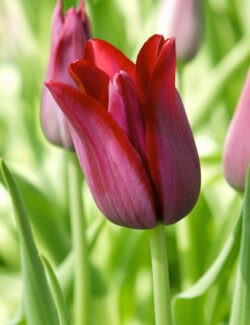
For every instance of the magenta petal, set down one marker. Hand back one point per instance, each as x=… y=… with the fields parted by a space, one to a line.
x=112 y=167
x=146 y=60
x=173 y=159
x=90 y=79
x=172 y=154
x=57 y=24
x=54 y=124
x=70 y=45
x=68 y=37
x=108 y=58
x=236 y=155
x=162 y=87
x=82 y=13
x=125 y=108
x=171 y=151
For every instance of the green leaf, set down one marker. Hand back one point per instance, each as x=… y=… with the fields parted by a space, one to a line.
x=44 y=213
x=38 y=304
x=218 y=79
x=51 y=236
x=57 y=294
x=240 y=313
x=183 y=301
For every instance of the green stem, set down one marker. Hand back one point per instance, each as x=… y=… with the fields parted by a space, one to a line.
x=79 y=241
x=160 y=276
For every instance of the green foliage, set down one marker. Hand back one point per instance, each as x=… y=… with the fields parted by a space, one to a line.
x=37 y=301
x=184 y=303
x=241 y=299
x=202 y=249
x=62 y=310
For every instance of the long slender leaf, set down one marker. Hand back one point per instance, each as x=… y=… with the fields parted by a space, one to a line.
x=240 y=313
x=57 y=294
x=38 y=304
x=223 y=262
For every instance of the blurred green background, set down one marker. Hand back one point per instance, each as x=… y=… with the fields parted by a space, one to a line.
x=210 y=86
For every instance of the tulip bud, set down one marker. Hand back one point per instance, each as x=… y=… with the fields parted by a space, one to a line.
x=182 y=20
x=131 y=133
x=237 y=145
x=69 y=34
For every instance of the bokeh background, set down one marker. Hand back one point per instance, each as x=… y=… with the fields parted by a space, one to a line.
x=210 y=85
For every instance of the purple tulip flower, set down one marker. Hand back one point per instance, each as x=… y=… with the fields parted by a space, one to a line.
x=69 y=34
x=131 y=133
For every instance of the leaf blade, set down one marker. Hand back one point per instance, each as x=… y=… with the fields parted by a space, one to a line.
x=57 y=294
x=223 y=262
x=240 y=312
x=38 y=304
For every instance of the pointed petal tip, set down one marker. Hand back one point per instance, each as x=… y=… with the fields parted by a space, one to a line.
x=81 y=6
x=170 y=43
x=155 y=36
x=58 y=12
x=54 y=86
x=50 y=84
x=171 y=40
x=59 y=5
x=47 y=84
x=81 y=9
x=92 y=41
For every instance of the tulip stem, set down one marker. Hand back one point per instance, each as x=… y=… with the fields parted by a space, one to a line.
x=79 y=242
x=160 y=276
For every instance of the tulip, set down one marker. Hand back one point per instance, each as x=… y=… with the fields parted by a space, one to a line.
x=183 y=20
x=131 y=133
x=237 y=145
x=69 y=34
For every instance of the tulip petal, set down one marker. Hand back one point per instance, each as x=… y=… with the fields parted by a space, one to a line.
x=125 y=108
x=84 y=17
x=112 y=167
x=54 y=124
x=236 y=154
x=162 y=87
x=172 y=154
x=72 y=33
x=57 y=25
x=146 y=60
x=93 y=80
x=68 y=37
x=108 y=58
x=173 y=160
